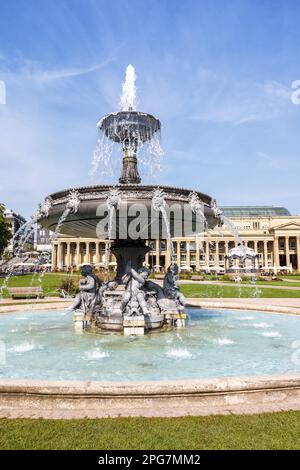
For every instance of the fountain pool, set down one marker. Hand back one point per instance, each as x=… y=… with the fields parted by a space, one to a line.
x=216 y=343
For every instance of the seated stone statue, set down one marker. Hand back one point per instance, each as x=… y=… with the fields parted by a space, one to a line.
x=133 y=300
x=171 y=288
x=88 y=288
x=110 y=285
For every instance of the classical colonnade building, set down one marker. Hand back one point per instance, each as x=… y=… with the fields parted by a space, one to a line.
x=272 y=232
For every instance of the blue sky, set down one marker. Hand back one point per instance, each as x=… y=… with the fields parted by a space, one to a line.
x=217 y=73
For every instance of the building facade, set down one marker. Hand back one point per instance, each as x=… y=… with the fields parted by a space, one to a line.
x=16 y=221
x=272 y=232
x=42 y=241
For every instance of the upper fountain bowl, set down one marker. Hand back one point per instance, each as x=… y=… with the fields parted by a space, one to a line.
x=133 y=126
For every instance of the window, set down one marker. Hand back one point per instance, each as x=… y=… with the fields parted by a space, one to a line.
x=256 y=225
x=163 y=245
x=152 y=244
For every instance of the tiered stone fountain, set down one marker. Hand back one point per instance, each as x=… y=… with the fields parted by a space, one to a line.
x=131 y=303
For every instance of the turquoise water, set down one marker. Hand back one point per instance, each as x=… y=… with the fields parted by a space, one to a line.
x=43 y=345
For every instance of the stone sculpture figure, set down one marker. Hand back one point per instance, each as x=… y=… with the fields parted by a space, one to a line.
x=133 y=300
x=88 y=287
x=171 y=288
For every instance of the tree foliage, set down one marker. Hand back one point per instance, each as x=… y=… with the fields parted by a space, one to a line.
x=5 y=230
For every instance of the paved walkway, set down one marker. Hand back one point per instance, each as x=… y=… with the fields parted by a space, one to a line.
x=242 y=284
x=49 y=303
x=291 y=306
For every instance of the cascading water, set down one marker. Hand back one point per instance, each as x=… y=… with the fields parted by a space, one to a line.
x=72 y=205
x=113 y=202
x=102 y=161
x=197 y=207
x=22 y=235
x=159 y=205
x=138 y=132
x=128 y=100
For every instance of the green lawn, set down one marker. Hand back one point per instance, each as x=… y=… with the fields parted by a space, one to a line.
x=206 y=290
x=50 y=282
x=276 y=283
x=264 y=431
x=290 y=276
x=265 y=283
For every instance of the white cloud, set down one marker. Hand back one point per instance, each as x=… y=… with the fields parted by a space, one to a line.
x=251 y=102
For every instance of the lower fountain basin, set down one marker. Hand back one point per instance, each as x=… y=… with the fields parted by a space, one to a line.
x=216 y=343
x=87 y=220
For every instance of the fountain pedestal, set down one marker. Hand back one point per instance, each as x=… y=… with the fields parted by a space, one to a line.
x=130 y=174
x=134 y=325
x=129 y=253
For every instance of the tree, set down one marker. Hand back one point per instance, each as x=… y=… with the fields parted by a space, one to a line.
x=5 y=230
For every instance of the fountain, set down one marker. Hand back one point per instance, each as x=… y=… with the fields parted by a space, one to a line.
x=224 y=363
x=129 y=214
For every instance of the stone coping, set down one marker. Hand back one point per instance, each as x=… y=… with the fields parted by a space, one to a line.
x=33 y=306
x=149 y=387
x=281 y=305
x=92 y=399
x=98 y=399
x=245 y=304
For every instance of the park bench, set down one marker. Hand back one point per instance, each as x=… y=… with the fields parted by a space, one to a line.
x=159 y=276
x=25 y=292
x=197 y=277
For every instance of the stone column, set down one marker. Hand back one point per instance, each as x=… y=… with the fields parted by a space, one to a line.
x=216 y=254
x=97 y=254
x=168 y=254
x=147 y=254
x=276 y=252
x=207 y=253
x=298 y=252
x=78 y=260
x=157 y=253
x=54 y=257
x=188 y=254
x=59 y=263
x=178 y=253
x=87 y=252
x=265 y=253
x=197 y=255
x=226 y=263
x=68 y=260
x=287 y=252
x=107 y=254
